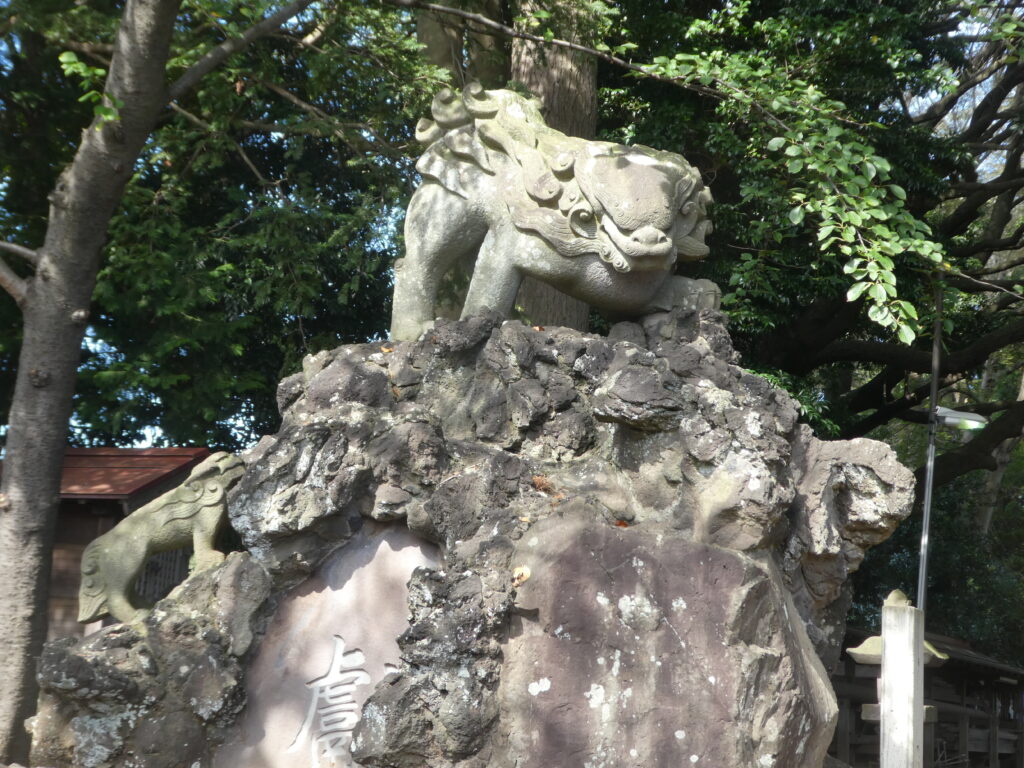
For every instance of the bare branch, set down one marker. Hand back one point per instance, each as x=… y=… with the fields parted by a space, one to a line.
x=346 y=132
x=968 y=284
x=996 y=185
x=20 y=250
x=989 y=106
x=14 y=285
x=961 y=218
x=942 y=107
x=1011 y=243
x=315 y=36
x=311 y=109
x=1001 y=244
x=218 y=55
x=900 y=408
x=308 y=129
x=100 y=49
x=98 y=52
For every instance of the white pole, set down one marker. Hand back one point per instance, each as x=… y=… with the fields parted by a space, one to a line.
x=902 y=684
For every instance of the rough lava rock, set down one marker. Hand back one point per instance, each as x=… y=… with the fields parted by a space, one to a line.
x=156 y=693
x=646 y=557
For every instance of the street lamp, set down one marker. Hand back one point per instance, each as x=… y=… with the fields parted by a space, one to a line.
x=901 y=695
x=947 y=417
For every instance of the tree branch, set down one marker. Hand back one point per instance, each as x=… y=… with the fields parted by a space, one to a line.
x=1002 y=244
x=16 y=286
x=199 y=122
x=98 y=52
x=969 y=284
x=719 y=93
x=901 y=408
x=989 y=105
x=352 y=140
x=381 y=144
x=218 y=55
x=20 y=250
x=942 y=107
x=919 y=360
x=996 y=185
x=506 y=31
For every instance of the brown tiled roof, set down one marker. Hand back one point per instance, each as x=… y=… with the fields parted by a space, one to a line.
x=121 y=473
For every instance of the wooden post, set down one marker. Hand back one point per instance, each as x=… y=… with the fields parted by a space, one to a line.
x=993 y=728
x=902 y=702
x=964 y=741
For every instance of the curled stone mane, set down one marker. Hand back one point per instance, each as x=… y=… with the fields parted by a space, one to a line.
x=552 y=181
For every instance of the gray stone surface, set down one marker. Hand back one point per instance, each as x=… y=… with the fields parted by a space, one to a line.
x=549 y=466
x=331 y=640
x=602 y=222
x=633 y=648
x=155 y=693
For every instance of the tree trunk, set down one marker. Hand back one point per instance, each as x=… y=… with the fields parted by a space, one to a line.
x=566 y=83
x=468 y=54
x=55 y=309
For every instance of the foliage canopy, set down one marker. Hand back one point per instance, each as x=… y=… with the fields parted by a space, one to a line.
x=261 y=220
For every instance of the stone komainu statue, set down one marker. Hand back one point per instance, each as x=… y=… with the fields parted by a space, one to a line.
x=602 y=222
x=190 y=514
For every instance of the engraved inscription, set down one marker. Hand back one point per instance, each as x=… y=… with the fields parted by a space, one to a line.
x=332 y=639
x=333 y=711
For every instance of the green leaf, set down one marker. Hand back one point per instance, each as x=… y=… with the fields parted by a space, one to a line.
x=907 y=309
x=898 y=191
x=906 y=334
x=775 y=144
x=856 y=290
x=796 y=215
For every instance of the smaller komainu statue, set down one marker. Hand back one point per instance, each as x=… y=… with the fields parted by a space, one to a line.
x=192 y=513
x=602 y=222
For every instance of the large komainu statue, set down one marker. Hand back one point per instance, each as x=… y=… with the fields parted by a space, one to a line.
x=602 y=222
x=190 y=514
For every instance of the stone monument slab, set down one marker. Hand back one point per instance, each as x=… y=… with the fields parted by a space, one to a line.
x=635 y=648
x=332 y=639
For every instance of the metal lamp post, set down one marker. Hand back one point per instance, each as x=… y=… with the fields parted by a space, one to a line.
x=946 y=417
x=901 y=694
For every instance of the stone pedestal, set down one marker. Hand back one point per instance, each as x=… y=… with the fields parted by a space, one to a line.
x=646 y=557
